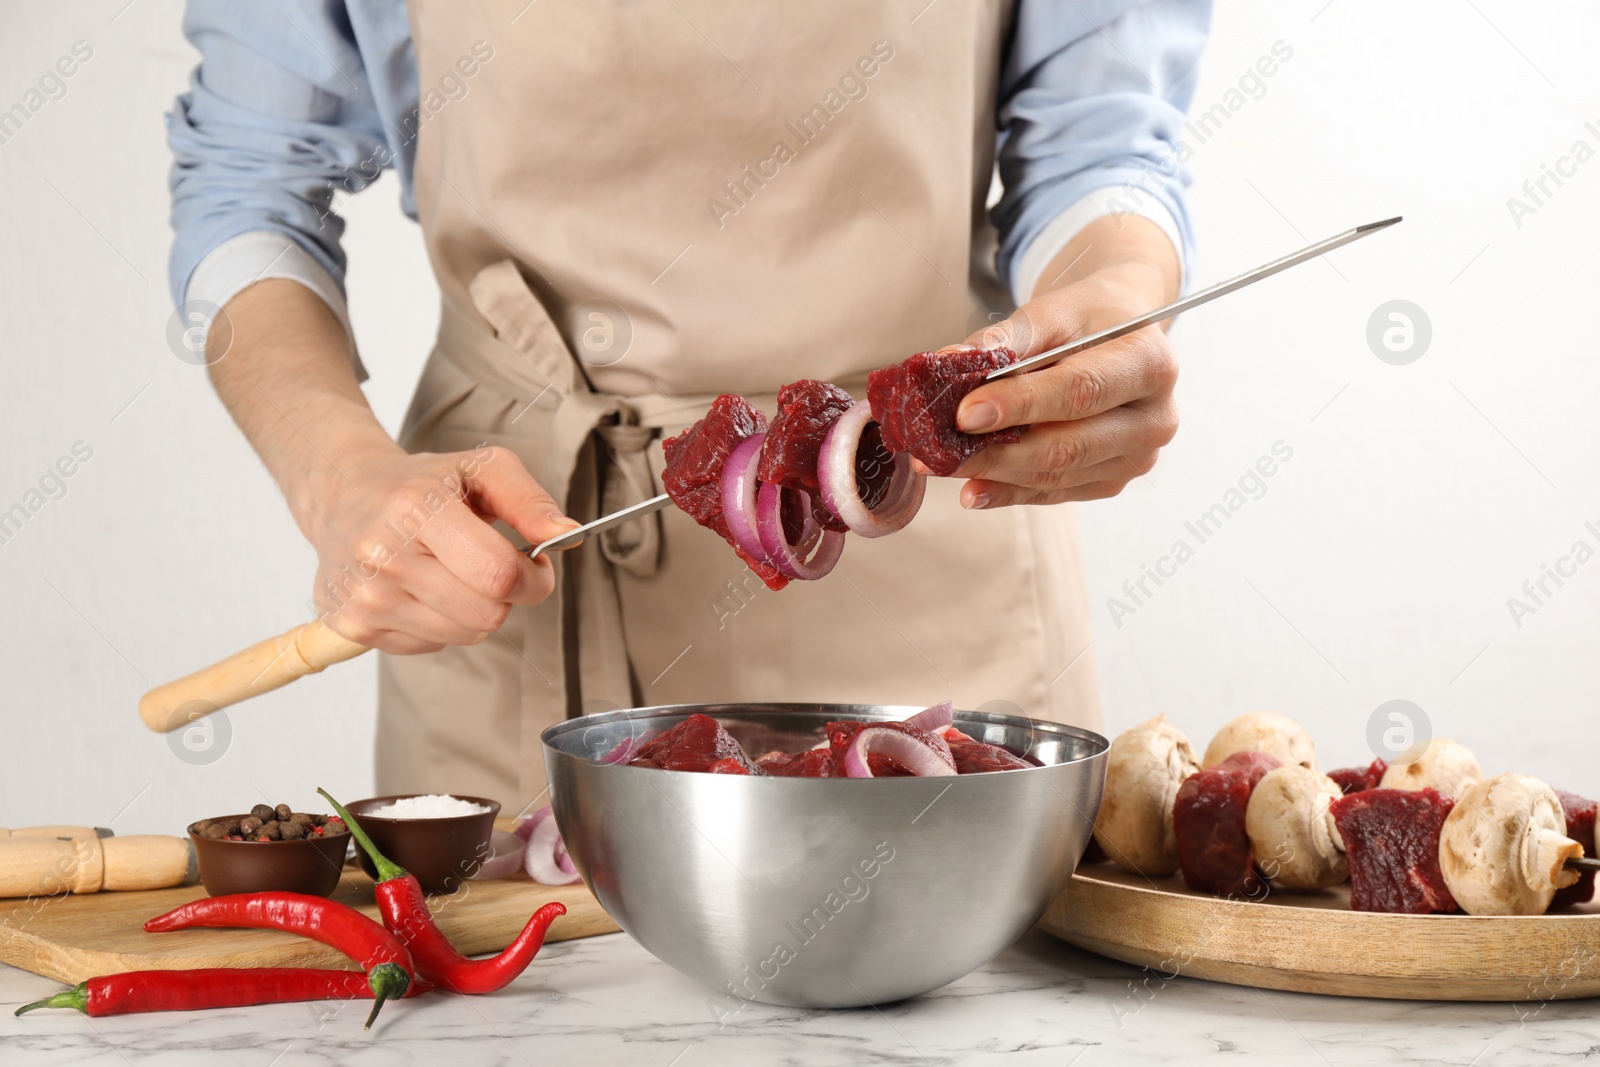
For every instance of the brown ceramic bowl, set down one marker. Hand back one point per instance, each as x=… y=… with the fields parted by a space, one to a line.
x=440 y=852
x=309 y=865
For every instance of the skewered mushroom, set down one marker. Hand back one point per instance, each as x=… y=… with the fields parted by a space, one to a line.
x=1504 y=847
x=1264 y=731
x=1445 y=765
x=1144 y=768
x=1291 y=829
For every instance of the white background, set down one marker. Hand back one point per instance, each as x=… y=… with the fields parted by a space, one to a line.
x=1377 y=565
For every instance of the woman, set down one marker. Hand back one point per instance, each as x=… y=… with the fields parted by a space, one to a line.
x=631 y=209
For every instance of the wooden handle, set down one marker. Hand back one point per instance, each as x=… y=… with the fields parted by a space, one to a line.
x=45 y=866
x=55 y=831
x=148 y=861
x=277 y=661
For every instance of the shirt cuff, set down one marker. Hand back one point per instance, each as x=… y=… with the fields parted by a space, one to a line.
x=1120 y=200
x=240 y=262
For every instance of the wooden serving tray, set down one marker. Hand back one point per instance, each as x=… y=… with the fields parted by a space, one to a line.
x=1314 y=943
x=72 y=938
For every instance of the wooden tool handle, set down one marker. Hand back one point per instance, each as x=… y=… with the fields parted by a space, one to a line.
x=45 y=866
x=55 y=831
x=261 y=668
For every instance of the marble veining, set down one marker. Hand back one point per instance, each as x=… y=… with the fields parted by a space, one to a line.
x=605 y=1000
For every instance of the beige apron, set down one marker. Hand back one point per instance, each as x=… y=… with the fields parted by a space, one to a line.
x=699 y=198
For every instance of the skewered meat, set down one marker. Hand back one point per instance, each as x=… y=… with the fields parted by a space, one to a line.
x=1208 y=819
x=915 y=402
x=1263 y=731
x=1144 y=769
x=1355 y=779
x=1580 y=813
x=695 y=461
x=1503 y=850
x=1391 y=841
x=1291 y=829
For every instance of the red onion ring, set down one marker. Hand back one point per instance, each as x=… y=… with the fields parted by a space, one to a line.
x=836 y=473
x=920 y=758
x=506 y=857
x=739 y=495
x=775 y=544
x=545 y=847
x=934 y=719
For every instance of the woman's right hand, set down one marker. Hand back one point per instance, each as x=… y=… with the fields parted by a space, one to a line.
x=407 y=560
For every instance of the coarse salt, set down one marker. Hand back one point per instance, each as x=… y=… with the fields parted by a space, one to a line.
x=432 y=806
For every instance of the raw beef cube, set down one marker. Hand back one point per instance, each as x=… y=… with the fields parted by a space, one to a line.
x=814 y=763
x=770 y=762
x=1391 y=840
x=915 y=404
x=1355 y=779
x=693 y=475
x=975 y=757
x=1208 y=817
x=1580 y=813
x=806 y=409
x=698 y=743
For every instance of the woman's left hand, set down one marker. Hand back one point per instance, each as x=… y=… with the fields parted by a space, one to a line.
x=1095 y=420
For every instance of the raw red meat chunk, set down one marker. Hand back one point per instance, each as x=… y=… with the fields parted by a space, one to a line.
x=1214 y=851
x=915 y=402
x=816 y=763
x=1391 y=840
x=975 y=757
x=1580 y=812
x=693 y=475
x=698 y=743
x=1355 y=779
x=806 y=409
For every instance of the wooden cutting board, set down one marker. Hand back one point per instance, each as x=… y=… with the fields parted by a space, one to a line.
x=72 y=938
x=1314 y=943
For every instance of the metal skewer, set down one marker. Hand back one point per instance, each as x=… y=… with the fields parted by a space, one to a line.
x=1204 y=296
x=600 y=525
x=1584 y=863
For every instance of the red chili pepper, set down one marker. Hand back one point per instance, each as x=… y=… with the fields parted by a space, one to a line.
x=213 y=987
x=381 y=954
x=405 y=911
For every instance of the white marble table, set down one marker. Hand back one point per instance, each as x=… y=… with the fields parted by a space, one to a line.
x=605 y=1000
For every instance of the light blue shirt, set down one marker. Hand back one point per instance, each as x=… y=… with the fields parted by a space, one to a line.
x=296 y=98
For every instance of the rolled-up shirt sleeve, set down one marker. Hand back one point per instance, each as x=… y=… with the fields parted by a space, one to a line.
x=1092 y=102
x=280 y=115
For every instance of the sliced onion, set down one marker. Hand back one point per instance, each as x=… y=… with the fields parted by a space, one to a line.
x=918 y=757
x=507 y=857
x=544 y=846
x=836 y=473
x=934 y=719
x=779 y=552
x=739 y=495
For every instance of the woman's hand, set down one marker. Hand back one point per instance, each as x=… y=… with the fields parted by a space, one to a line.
x=406 y=558
x=1095 y=420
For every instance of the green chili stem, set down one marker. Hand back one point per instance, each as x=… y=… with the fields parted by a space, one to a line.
x=386 y=868
x=76 y=998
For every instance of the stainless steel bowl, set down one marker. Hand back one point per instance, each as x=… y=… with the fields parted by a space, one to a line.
x=822 y=892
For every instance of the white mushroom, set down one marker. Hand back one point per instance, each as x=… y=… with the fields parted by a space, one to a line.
x=1291 y=829
x=1504 y=847
x=1144 y=769
x=1264 y=731
x=1445 y=765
